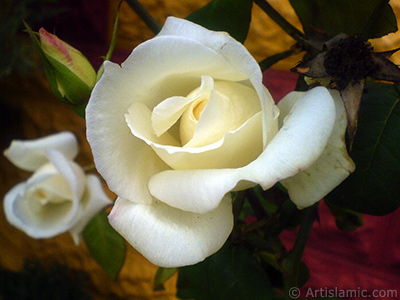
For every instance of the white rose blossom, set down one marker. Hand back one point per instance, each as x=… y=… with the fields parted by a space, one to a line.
x=184 y=121
x=58 y=197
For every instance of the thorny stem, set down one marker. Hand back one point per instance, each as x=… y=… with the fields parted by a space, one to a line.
x=296 y=253
x=144 y=15
x=283 y=23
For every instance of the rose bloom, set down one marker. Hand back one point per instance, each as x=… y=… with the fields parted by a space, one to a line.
x=184 y=121
x=58 y=197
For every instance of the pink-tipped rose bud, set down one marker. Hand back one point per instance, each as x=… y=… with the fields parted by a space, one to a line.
x=74 y=75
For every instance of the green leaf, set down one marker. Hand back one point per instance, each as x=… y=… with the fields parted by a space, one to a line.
x=162 y=275
x=230 y=274
x=348 y=16
x=232 y=16
x=374 y=187
x=105 y=245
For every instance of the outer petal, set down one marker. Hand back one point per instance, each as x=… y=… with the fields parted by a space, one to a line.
x=29 y=155
x=237 y=56
x=332 y=167
x=169 y=237
x=93 y=201
x=296 y=147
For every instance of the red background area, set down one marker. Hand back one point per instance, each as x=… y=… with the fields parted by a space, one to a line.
x=365 y=259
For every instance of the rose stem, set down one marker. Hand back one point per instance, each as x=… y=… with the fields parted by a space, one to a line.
x=144 y=15
x=292 y=276
x=283 y=23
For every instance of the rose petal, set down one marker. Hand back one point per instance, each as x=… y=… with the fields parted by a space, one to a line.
x=170 y=237
x=236 y=55
x=236 y=149
x=229 y=107
x=333 y=166
x=170 y=110
x=36 y=220
x=298 y=144
x=29 y=155
x=71 y=171
x=93 y=201
x=138 y=119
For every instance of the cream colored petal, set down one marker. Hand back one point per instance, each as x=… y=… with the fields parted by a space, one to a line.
x=169 y=237
x=138 y=119
x=236 y=149
x=236 y=55
x=298 y=144
x=71 y=171
x=29 y=155
x=166 y=113
x=229 y=107
x=332 y=167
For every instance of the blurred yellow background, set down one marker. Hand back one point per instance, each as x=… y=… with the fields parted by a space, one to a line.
x=265 y=38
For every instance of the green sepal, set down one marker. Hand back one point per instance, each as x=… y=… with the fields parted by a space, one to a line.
x=162 y=275
x=76 y=91
x=105 y=245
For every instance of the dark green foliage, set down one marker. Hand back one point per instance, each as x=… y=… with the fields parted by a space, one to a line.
x=372 y=18
x=374 y=187
x=232 y=16
x=230 y=274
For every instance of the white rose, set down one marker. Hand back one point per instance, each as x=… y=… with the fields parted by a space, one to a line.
x=58 y=197
x=185 y=120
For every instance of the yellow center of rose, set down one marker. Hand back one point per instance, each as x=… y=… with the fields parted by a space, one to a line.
x=207 y=113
